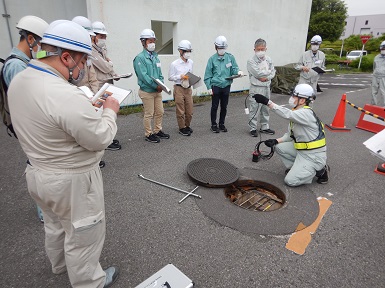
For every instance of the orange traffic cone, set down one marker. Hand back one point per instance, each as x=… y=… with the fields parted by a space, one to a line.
x=380 y=169
x=338 y=124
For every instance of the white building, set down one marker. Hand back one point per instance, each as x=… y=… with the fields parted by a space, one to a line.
x=364 y=24
x=283 y=24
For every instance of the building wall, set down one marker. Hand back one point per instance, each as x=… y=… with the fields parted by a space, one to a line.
x=365 y=24
x=283 y=24
x=49 y=10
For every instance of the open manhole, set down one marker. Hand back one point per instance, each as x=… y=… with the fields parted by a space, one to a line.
x=255 y=195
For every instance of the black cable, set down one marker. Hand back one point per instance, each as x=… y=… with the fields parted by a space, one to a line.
x=258 y=154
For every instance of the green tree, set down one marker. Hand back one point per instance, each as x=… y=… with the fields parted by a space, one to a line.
x=327 y=19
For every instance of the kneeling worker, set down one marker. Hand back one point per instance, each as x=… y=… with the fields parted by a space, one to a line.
x=303 y=148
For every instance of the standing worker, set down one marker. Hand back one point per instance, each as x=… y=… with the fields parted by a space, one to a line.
x=219 y=68
x=378 y=80
x=261 y=71
x=147 y=68
x=311 y=58
x=303 y=148
x=182 y=90
x=64 y=139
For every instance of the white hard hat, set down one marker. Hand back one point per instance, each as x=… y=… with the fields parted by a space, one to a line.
x=99 y=28
x=184 y=45
x=147 y=34
x=85 y=23
x=68 y=35
x=316 y=40
x=221 y=42
x=382 y=45
x=304 y=91
x=32 y=24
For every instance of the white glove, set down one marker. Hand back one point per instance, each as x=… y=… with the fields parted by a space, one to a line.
x=210 y=91
x=240 y=73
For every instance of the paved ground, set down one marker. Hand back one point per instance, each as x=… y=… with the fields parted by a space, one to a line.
x=147 y=228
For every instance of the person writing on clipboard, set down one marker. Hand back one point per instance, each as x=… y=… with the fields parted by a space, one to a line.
x=147 y=68
x=220 y=67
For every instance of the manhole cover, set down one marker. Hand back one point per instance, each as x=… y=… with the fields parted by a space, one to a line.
x=255 y=195
x=212 y=172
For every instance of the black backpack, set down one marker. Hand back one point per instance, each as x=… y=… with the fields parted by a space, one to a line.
x=4 y=108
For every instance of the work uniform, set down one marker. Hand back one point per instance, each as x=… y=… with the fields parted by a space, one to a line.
x=259 y=68
x=182 y=95
x=64 y=139
x=89 y=80
x=378 y=79
x=310 y=59
x=219 y=68
x=305 y=155
x=14 y=66
x=104 y=69
x=146 y=66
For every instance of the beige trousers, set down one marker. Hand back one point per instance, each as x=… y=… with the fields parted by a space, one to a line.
x=184 y=106
x=74 y=222
x=153 y=109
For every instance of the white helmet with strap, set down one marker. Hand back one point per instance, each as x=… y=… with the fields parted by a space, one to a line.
x=221 y=42
x=184 y=45
x=316 y=40
x=32 y=24
x=304 y=91
x=67 y=35
x=382 y=45
x=99 y=28
x=85 y=23
x=147 y=34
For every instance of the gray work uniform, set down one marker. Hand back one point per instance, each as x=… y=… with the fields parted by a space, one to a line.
x=103 y=68
x=378 y=80
x=259 y=68
x=310 y=60
x=303 y=164
x=64 y=139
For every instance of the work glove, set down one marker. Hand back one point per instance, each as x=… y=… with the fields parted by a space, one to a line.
x=240 y=73
x=271 y=142
x=261 y=99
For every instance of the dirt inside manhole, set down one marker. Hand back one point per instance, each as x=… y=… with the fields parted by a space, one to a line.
x=255 y=195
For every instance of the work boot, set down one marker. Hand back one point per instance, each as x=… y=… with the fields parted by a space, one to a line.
x=113 y=146
x=214 y=129
x=267 y=131
x=112 y=274
x=152 y=138
x=254 y=133
x=162 y=135
x=184 y=132
x=222 y=128
x=287 y=171
x=324 y=175
x=189 y=129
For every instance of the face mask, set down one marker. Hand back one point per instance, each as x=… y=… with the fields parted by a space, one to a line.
x=80 y=76
x=101 y=43
x=186 y=55
x=292 y=101
x=314 y=47
x=151 y=47
x=382 y=52
x=221 y=52
x=35 y=53
x=260 y=54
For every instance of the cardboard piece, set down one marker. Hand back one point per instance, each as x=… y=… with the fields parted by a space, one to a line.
x=299 y=241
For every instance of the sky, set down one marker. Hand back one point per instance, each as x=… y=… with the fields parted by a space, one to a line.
x=365 y=7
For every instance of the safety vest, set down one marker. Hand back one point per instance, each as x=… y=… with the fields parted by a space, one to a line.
x=318 y=142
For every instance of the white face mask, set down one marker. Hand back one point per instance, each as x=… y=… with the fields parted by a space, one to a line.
x=101 y=43
x=314 y=47
x=186 y=55
x=260 y=54
x=292 y=101
x=80 y=76
x=151 y=47
x=221 y=52
x=34 y=53
x=382 y=52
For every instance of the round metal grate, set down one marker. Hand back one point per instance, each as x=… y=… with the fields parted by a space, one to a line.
x=212 y=172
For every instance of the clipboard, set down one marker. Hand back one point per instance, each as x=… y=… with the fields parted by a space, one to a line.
x=164 y=87
x=192 y=78
x=234 y=77
x=128 y=75
x=318 y=70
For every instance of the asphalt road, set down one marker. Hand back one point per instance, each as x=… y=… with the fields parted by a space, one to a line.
x=147 y=228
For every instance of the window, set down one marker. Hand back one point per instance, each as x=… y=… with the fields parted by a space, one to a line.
x=366 y=22
x=164 y=32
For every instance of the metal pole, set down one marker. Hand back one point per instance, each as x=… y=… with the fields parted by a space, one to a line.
x=189 y=194
x=6 y=16
x=362 y=53
x=168 y=186
x=342 y=47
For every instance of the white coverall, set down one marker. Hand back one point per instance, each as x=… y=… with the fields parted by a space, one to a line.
x=259 y=68
x=310 y=60
x=303 y=164
x=64 y=139
x=89 y=80
x=103 y=68
x=378 y=80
